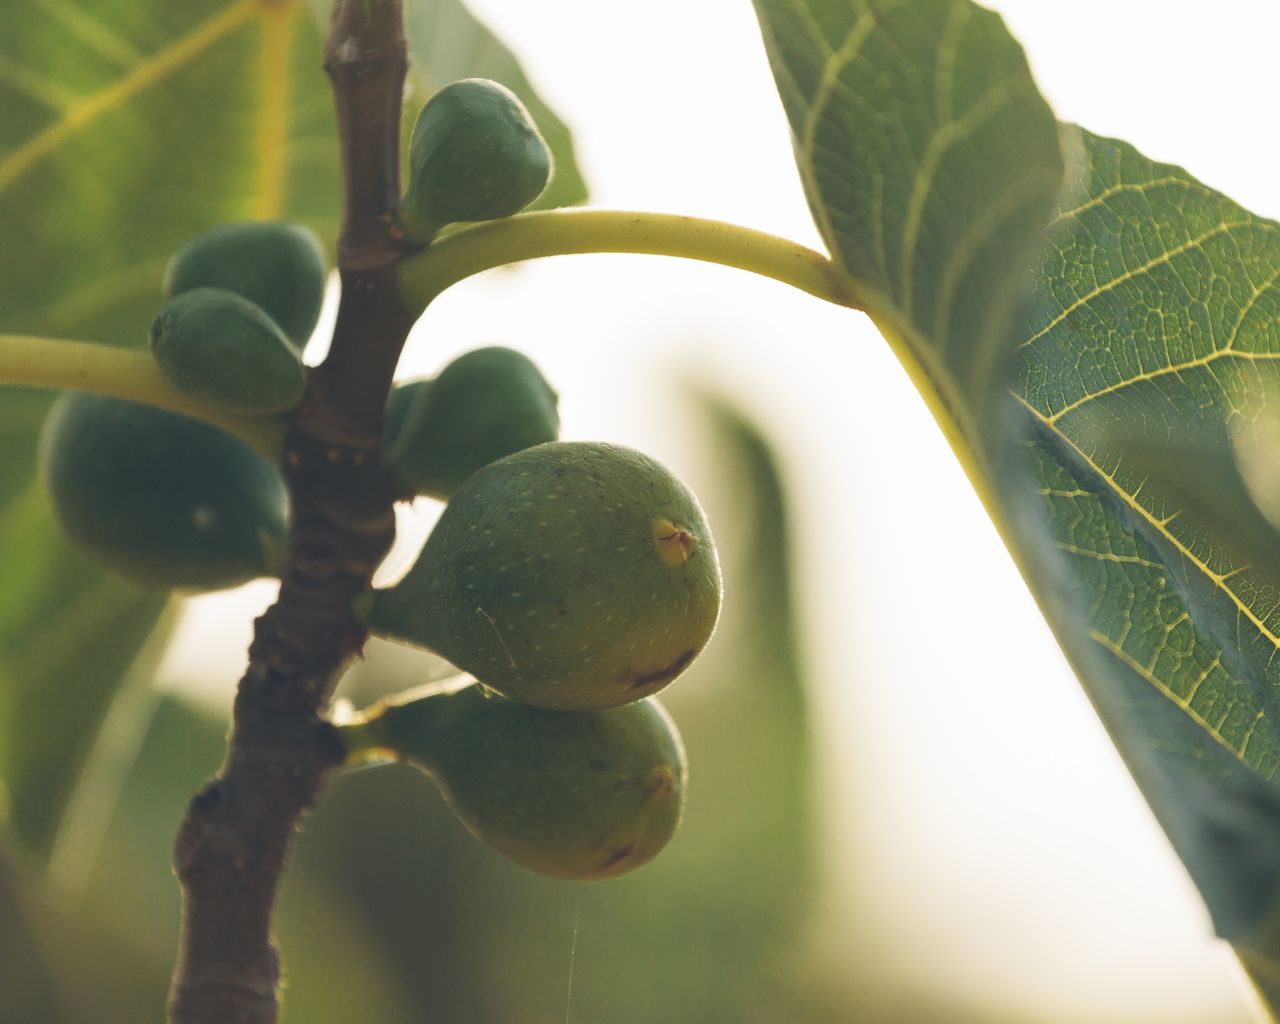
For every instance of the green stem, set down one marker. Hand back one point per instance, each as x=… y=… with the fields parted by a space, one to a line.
x=363 y=740
x=403 y=726
x=469 y=250
x=122 y=373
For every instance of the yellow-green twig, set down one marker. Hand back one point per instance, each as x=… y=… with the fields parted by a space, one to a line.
x=122 y=373
x=469 y=250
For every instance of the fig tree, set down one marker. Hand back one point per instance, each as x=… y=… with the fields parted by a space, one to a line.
x=160 y=498
x=217 y=346
x=571 y=575
x=580 y=794
x=278 y=265
x=486 y=404
x=475 y=154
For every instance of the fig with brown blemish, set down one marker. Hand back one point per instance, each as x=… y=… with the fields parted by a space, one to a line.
x=582 y=795
x=571 y=575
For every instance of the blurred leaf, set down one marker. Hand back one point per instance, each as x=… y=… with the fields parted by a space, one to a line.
x=26 y=992
x=1153 y=347
x=708 y=931
x=68 y=634
x=128 y=127
x=931 y=164
x=334 y=966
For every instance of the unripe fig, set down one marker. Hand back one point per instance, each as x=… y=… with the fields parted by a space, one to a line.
x=475 y=154
x=485 y=404
x=404 y=396
x=571 y=575
x=578 y=794
x=159 y=498
x=278 y=265
x=219 y=347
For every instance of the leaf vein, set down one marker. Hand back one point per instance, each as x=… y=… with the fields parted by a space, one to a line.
x=1105 y=642
x=1129 y=275
x=144 y=75
x=1159 y=525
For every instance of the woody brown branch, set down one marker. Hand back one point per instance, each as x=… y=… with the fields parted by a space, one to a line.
x=235 y=840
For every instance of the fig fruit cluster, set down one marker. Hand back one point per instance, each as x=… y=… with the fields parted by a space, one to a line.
x=571 y=579
x=163 y=499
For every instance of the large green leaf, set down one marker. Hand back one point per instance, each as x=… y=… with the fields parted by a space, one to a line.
x=931 y=164
x=1151 y=356
x=1142 y=362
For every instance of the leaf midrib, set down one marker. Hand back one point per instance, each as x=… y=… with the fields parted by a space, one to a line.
x=1219 y=580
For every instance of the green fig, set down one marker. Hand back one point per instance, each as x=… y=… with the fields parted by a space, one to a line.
x=475 y=154
x=571 y=575
x=219 y=347
x=278 y=265
x=485 y=404
x=580 y=794
x=160 y=498
x=404 y=396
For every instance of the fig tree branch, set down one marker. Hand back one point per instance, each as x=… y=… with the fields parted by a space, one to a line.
x=235 y=840
x=470 y=250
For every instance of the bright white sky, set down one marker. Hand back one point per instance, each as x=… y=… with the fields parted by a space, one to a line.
x=1036 y=875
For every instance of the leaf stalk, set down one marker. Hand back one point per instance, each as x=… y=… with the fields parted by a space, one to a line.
x=470 y=250
x=123 y=373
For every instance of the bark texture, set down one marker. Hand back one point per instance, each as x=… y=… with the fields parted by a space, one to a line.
x=235 y=841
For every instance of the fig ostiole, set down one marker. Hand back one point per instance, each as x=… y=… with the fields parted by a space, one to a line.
x=219 y=347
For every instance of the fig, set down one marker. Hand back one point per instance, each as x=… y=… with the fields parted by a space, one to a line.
x=475 y=154
x=161 y=499
x=485 y=405
x=404 y=396
x=278 y=265
x=569 y=794
x=571 y=575
x=219 y=347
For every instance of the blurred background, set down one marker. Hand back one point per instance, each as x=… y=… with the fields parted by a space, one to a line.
x=901 y=806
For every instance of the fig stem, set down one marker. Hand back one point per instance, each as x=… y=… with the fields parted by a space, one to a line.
x=123 y=373
x=363 y=741
x=467 y=251
x=371 y=734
